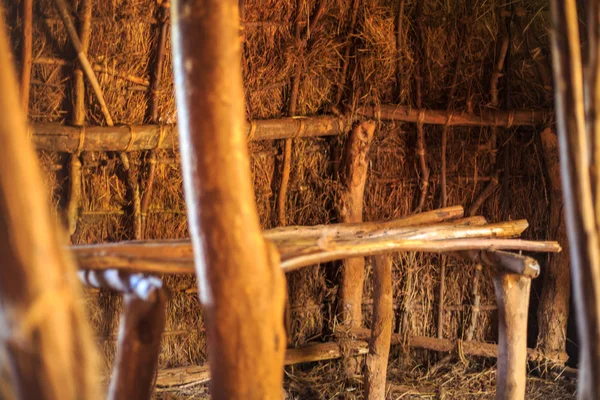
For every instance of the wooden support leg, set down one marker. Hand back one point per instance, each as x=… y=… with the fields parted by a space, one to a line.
x=512 y=295
x=240 y=281
x=381 y=328
x=139 y=344
x=46 y=346
x=354 y=176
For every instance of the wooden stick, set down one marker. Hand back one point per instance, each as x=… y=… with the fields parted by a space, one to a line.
x=459 y=229
x=287 y=148
x=78 y=120
x=501 y=55
x=158 y=67
x=26 y=52
x=177 y=258
x=363 y=228
x=346 y=59
x=512 y=294
x=470 y=348
x=399 y=31
x=350 y=208
x=47 y=347
x=421 y=146
x=287 y=152
x=381 y=329
x=95 y=67
x=198 y=374
x=60 y=138
x=592 y=100
x=83 y=60
x=375 y=247
x=476 y=308
x=553 y=310
x=440 y=117
x=87 y=69
x=579 y=207
x=140 y=333
x=241 y=287
x=509 y=262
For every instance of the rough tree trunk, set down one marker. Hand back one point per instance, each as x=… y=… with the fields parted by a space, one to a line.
x=240 y=283
x=46 y=349
x=354 y=175
x=381 y=328
x=553 y=311
x=575 y=150
x=512 y=295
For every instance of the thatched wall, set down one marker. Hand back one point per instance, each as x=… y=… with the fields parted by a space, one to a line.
x=123 y=45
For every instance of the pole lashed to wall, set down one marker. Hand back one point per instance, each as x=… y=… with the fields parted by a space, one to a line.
x=241 y=285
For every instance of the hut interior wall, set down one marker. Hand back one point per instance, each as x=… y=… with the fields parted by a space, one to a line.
x=123 y=42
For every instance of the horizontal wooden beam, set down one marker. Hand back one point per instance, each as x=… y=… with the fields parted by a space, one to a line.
x=510 y=118
x=177 y=378
x=175 y=257
x=70 y=139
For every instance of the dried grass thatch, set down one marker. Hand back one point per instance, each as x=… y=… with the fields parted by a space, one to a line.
x=124 y=37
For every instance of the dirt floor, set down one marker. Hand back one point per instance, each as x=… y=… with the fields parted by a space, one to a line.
x=450 y=379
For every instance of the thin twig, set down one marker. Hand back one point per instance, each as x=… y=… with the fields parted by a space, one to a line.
x=158 y=67
x=421 y=145
x=83 y=60
x=287 y=153
x=347 y=51
x=399 y=27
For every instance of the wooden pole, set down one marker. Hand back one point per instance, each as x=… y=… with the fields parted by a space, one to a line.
x=512 y=295
x=163 y=17
x=61 y=138
x=354 y=176
x=381 y=329
x=240 y=284
x=78 y=120
x=175 y=256
x=26 y=54
x=579 y=207
x=314 y=352
x=440 y=117
x=553 y=310
x=83 y=60
x=46 y=344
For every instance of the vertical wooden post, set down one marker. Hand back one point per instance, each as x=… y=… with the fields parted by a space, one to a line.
x=240 y=283
x=512 y=295
x=381 y=328
x=78 y=120
x=355 y=165
x=141 y=329
x=553 y=311
x=575 y=151
x=46 y=342
x=163 y=17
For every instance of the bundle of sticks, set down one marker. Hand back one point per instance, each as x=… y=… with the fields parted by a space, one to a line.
x=439 y=231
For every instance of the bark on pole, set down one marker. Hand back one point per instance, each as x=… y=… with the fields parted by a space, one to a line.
x=381 y=329
x=580 y=217
x=354 y=176
x=140 y=332
x=512 y=295
x=45 y=343
x=553 y=311
x=240 y=282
